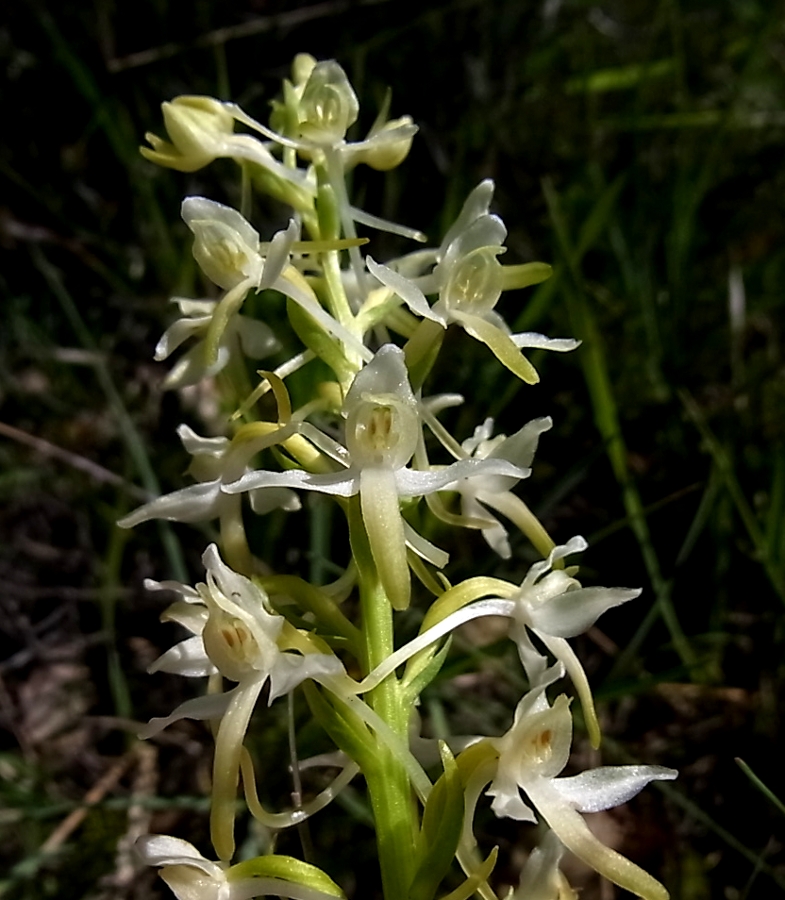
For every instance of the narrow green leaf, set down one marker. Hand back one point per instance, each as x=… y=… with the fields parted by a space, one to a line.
x=766 y=791
x=442 y=824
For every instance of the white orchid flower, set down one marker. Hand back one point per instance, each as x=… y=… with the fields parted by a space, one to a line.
x=202 y=130
x=482 y=493
x=469 y=280
x=238 y=635
x=213 y=462
x=382 y=432
x=191 y=876
x=549 y=603
x=541 y=878
x=530 y=757
x=229 y=251
x=242 y=333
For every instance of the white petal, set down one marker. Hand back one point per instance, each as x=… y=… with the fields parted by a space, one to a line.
x=291 y=670
x=569 y=826
x=256 y=338
x=339 y=484
x=476 y=204
x=412 y=296
x=385 y=374
x=574 y=612
x=177 y=333
x=185 y=591
x=191 y=308
x=520 y=447
x=198 y=503
x=163 y=850
x=187 y=658
x=531 y=339
x=190 y=614
x=213 y=706
x=609 y=786
x=200 y=209
x=485 y=231
x=267 y=499
x=541 y=878
x=414 y=483
x=191 y=367
x=507 y=800
x=424 y=548
x=195 y=444
x=277 y=257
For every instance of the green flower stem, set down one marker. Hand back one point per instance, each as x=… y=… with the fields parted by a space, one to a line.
x=388 y=784
x=330 y=229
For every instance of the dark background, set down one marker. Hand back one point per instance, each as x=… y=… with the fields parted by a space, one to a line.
x=636 y=146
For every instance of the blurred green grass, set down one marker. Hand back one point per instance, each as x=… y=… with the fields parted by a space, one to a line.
x=638 y=147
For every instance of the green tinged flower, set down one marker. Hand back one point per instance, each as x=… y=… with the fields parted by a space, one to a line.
x=198 y=128
x=193 y=877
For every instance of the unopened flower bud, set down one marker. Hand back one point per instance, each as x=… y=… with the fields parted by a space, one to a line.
x=302 y=67
x=197 y=127
x=389 y=148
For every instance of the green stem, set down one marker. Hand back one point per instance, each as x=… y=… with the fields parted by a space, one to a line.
x=390 y=792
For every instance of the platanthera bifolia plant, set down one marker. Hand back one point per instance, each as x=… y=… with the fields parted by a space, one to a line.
x=370 y=438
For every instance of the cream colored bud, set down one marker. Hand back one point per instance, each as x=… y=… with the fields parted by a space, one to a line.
x=197 y=127
x=387 y=153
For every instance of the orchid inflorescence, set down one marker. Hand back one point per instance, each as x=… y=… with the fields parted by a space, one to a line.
x=361 y=439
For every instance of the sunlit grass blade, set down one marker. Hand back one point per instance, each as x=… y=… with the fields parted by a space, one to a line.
x=606 y=417
x=766 y=791
x=725 y=468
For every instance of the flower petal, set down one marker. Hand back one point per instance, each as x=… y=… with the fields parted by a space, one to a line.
x=574 y=612
x=573 y=832
x=411 y=295
x=608 y=786
x=499 y=343
x=532 y=340
x=187 y=658
x=213 y=706
x=197 y=503
x=163 y=850
x=384 y=524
